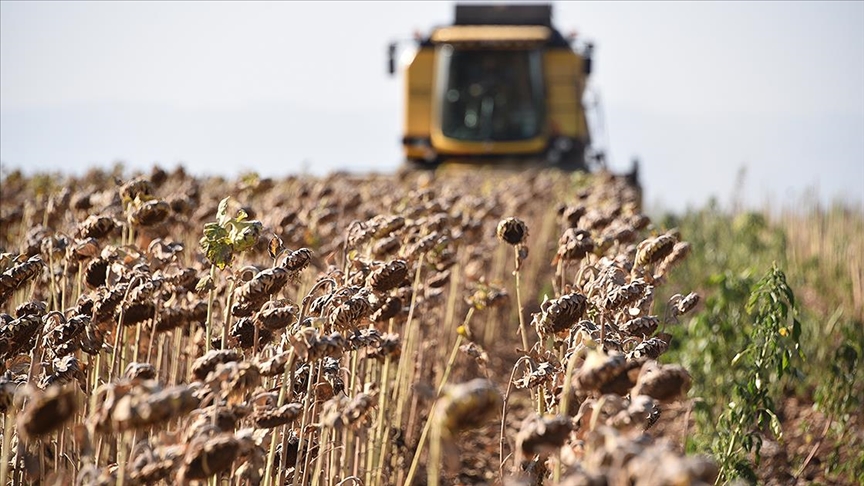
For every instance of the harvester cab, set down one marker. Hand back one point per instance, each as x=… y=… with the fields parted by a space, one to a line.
x=500 y=85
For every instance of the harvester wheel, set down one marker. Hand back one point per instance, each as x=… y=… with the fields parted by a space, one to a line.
x=413 y=165
x=573 y=160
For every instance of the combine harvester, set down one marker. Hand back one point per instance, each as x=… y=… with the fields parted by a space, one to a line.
x=501 y=86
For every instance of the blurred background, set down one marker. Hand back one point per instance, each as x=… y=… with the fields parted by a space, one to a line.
x=706 y=95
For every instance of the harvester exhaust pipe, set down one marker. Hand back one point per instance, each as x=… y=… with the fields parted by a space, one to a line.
x=391 y=58
x=633 y=175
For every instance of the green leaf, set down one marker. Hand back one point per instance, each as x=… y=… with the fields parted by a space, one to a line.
x=220 y=255
x=213 y=232
x=244 y=235
x=222 y=211
x=744 y=469
x=747 y=442
x=217 y=250
x=796 y=330
x=774 y=423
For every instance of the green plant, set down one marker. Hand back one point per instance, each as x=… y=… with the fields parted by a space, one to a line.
x=839 y=397
x=222 y=239
x=770 y=355
x=227 y=236
x=820 y=250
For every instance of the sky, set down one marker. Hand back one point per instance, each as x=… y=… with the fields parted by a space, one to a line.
x=700 y=92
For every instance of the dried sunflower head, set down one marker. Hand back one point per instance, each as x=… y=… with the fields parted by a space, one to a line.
x=310 y=346
x=135 y=312
x=351 y=311
x=202 y=366
x=650 y=348
x=149 y=213
x=206 y=456
x=233 y=379
x=475 y=352
x=467 y=405
x=107 y=301
x=386 y=246
x=243 y=333
x=96 y=272
x=274 y=365
x=249 y=297
x=654 y=250
x=33 y=308
x=358 y=233
x=82 y=249
x=136 y=188
x=628 y=294
x=512 y=231
x=149 y=404
x=46 y=411
x=389 y=276
x=384 y=225
x=541 y=374
x=9 y=384
x=15 y=277
x=276 y=315
x=161 y=251
x=141 y=371
x=574 y=244
x=559 y=315
x=342 y=411
x=679 y=253
x=388 y=309
x=543 y=435
x=681 y=305
x=18 y=335
x=269 y=418
x=640 y=326
x=389 y=345
x=600 y=369
x=66 y=369
x=297 y=260
x=570 y=215
x=665 y=383
x=488 y=296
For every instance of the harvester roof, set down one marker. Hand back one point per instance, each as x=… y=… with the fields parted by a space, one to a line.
x=535 y=14
x=500 y=26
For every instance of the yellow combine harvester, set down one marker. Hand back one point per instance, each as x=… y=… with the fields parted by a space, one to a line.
x=499 y=85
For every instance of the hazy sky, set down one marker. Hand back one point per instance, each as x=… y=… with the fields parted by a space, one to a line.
x=696 y=90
